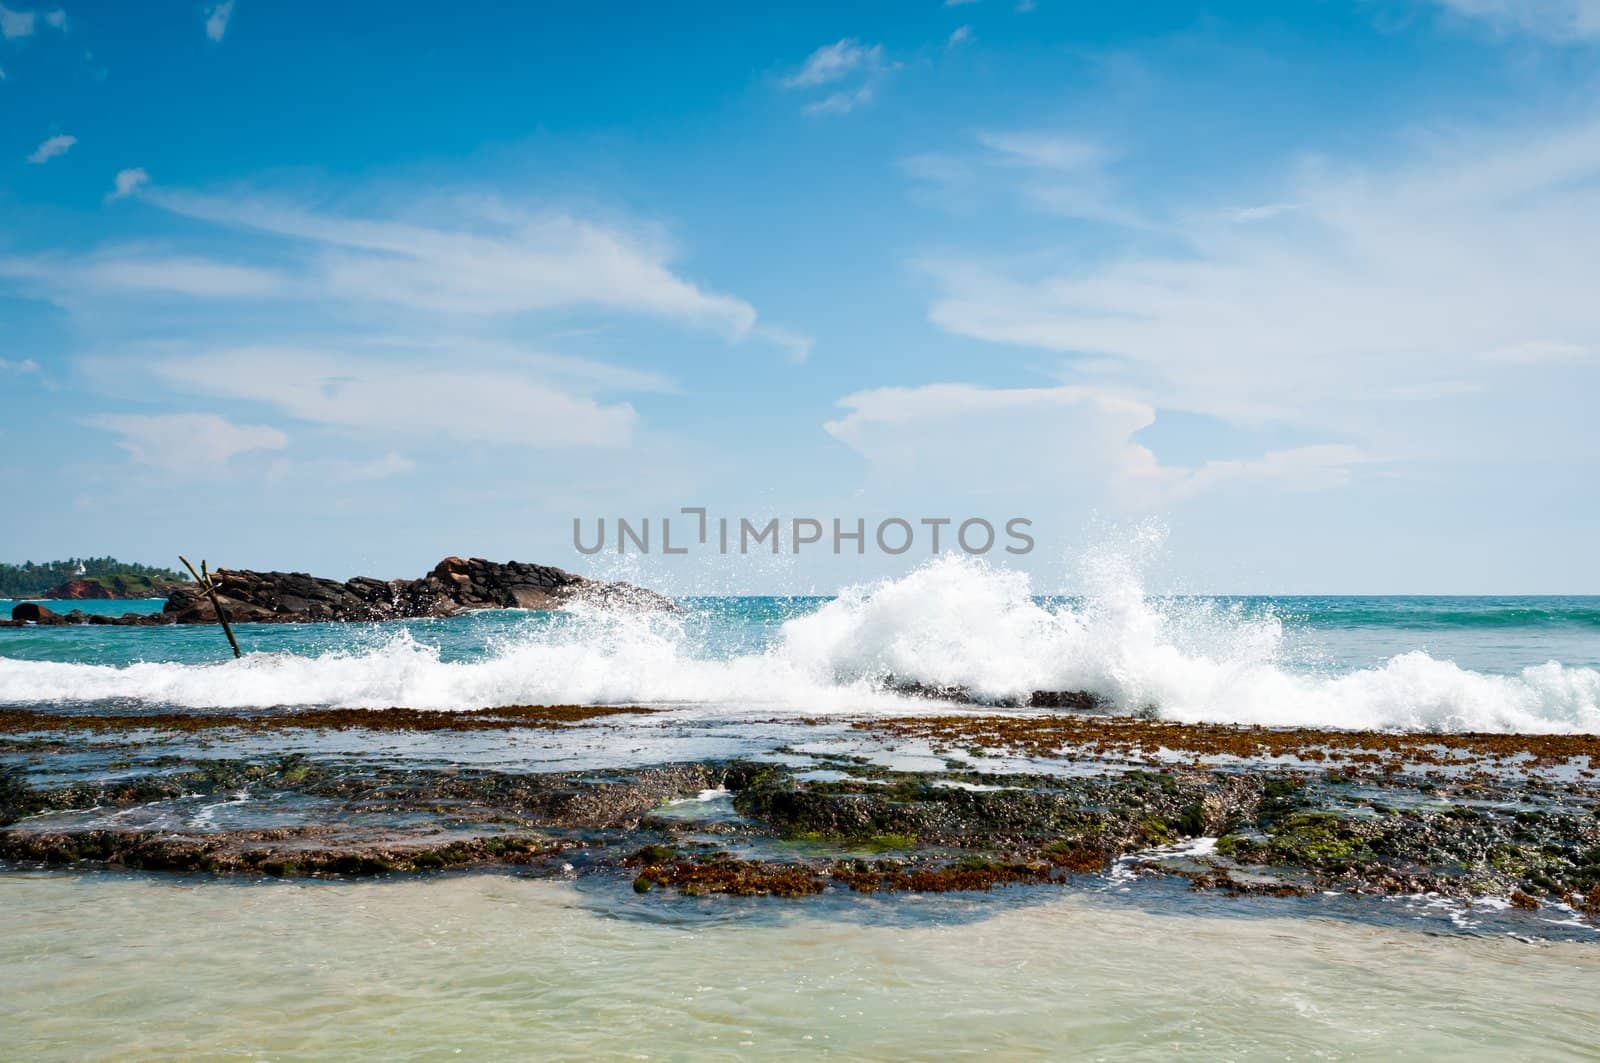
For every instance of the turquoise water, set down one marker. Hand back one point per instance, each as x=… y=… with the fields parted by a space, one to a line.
x=93 y=606
x=1499 y=634
x=496 y=966
x=1434 y=663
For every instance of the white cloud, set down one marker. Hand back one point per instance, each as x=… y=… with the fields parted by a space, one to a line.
x=138 y=270
x=1260 y=212
x=796 y=345
x=187 y=442
x=841 y=102
x=1046 y=151
x=15 y=24
x=844 y=60
x=1538 y=352
x=473 y=259
x=400 y=396
x=384 y=468
x=182 y=276
x=834 y=61
x=128 y=182
x=217 y=20
x=1053 y=172
x=1558 y=20
x=27 y=365
x=958 y=35
x=53 y=146
x=481 y=258
x=1297 y=468
x=958 y=3
x=1045 y=442
x=941 y=170
x=1395 y=279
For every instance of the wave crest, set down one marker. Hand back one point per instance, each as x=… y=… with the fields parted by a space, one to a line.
x=954 y=622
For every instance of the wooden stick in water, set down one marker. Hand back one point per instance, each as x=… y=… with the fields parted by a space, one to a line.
x=203 y=577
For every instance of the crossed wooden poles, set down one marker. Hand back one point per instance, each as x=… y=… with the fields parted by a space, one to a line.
x=203 y=577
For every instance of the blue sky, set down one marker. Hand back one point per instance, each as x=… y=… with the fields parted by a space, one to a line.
x=351 y=287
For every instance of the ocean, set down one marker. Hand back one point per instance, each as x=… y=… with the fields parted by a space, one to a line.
x=1514 y=664
x=568 y=962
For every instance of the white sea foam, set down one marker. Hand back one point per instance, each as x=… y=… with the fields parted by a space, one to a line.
x=953 y=622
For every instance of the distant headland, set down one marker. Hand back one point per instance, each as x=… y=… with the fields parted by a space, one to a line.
x=87 y=578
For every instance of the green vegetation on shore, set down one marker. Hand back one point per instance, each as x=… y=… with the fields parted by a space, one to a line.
x=122 y=579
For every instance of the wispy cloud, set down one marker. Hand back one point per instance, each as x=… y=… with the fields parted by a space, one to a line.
x=493 y=259
x=217 y=17
x=15 y=22
x=127 y=183
x=468 y=258
x=56 y=145
x=1050 y=171
x=26 y=365
x=397 y=396
x=1259 y=212
x=841 y=102
x=833 y=62
x=796 y=345
x=187 y=442
x=387 y=467
x=1557 y=20
x=1045 y=151
x=1042 y=441
x=959 y=35
x=846 y=60
x=1479 y=252
x=136 y=269
x=1538 y=352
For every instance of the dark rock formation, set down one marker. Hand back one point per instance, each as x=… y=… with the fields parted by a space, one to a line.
x=34 y=613
x=455 y=586
x=44 y=616
x=1318 y=815
x=1081 y=700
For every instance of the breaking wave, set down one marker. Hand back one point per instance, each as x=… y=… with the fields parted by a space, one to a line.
x=955 y=622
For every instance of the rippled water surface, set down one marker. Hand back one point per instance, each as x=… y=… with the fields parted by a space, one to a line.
x=495 y=967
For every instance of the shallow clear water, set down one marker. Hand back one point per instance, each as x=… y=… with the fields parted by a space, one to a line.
x=495 y=967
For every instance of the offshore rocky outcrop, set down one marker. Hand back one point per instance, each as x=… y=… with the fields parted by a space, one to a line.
x=455 y=586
